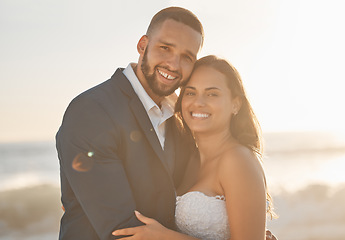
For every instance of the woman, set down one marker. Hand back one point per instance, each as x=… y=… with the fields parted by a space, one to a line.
x=228 y=196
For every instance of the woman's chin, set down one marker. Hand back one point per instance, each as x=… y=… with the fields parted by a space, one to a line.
x=199 y=130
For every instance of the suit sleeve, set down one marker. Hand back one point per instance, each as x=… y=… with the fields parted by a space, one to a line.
x=88 y=144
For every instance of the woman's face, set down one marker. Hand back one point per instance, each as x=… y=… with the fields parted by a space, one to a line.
x=207 y=104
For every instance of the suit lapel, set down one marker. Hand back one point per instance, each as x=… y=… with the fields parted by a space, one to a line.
x=141 y=116
x=146 y=126
x=169 y=146
x=185 y=154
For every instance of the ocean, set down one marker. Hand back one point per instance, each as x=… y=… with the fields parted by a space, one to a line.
x=305 y=175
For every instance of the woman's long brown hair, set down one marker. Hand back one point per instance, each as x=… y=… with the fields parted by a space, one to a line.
x=244 y=127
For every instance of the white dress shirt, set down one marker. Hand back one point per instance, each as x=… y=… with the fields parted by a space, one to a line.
x=158 y=116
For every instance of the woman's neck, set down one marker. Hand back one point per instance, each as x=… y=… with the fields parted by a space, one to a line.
x=212 y=145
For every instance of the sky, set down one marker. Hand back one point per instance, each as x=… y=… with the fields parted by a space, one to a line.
x=290 y=54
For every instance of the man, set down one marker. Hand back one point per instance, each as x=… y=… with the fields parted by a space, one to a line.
x=118 y=147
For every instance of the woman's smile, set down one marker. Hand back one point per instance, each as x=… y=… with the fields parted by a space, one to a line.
x=197 y=115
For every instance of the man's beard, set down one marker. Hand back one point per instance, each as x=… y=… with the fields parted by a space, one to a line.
x=158 y=89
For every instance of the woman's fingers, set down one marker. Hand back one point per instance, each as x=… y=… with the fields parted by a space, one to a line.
x=142 y=218
x=134 y=232
x=127 y=231
x=270 y=236
x=127 y=238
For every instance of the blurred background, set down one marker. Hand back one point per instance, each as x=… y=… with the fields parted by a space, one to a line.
x=290 y=55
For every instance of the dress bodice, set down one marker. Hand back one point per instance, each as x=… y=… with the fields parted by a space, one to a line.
x=202 y=216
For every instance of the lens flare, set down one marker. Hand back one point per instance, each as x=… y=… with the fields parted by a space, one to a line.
x=83 y=162
x=135 y=136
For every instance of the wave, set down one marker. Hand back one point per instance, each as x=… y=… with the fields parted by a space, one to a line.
x=32 y=212
x=315 y=212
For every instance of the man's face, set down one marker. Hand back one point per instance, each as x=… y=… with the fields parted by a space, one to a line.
x=168 y=57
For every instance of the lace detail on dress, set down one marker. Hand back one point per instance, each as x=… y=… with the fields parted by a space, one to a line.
x=202 y=216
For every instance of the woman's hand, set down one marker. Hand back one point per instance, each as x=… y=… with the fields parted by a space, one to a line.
x=151 y=230
x=270 y=236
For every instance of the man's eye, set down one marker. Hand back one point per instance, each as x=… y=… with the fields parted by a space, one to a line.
x=189 y=93
x=164 y=47
x=188 y=58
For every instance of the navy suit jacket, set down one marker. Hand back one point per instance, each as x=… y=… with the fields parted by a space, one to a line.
x=111 y=163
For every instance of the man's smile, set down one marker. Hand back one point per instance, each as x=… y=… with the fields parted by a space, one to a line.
x=166 y=75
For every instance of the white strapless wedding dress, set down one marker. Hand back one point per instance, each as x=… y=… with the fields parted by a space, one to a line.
x=202 y=216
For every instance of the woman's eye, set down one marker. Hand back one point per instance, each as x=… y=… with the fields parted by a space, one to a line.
x=164 y=47
x=212 y=94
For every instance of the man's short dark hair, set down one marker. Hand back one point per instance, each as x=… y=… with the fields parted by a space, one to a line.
x=178 y=14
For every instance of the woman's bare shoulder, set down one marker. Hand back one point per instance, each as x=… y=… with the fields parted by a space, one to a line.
x=238 y=159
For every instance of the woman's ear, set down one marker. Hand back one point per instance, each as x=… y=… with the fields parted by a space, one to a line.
x=142 y=44
x=236 y=105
